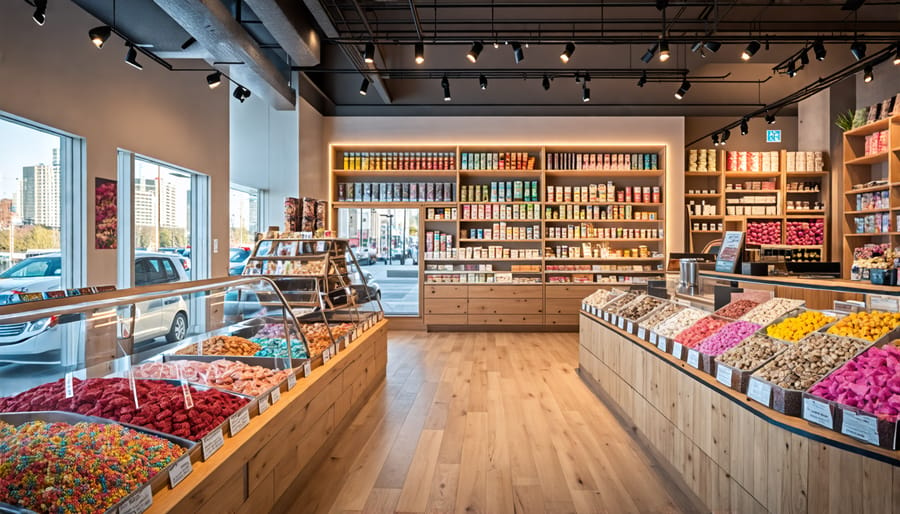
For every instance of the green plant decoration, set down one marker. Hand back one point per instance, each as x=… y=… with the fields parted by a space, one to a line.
x=844 y=120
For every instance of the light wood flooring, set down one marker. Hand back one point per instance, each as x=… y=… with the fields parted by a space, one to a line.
x=488 y=423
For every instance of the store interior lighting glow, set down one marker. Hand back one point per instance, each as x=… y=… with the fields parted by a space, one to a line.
x=474 y=52
x=420 y=53
x=664 y=51
x=750 y=51
x=683 y=89
x=819 y=50
x=567 y=52
x=99 y=35
x=868 y=74
x=369 y=53
x=213 y=80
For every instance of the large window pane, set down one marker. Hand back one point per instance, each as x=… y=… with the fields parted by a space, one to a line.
x=386 y=243
x=243 y=226
x=162 y=208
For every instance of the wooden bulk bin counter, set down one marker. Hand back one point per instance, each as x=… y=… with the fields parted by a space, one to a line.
x=284 y=445
x=735 y=455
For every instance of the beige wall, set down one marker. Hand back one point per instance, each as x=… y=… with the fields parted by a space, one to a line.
x=53 y=75
x=527 y=130
x=313 y=158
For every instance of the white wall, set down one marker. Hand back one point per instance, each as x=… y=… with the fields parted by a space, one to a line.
x=264 y=151
x=560 y=130
x=53 y=75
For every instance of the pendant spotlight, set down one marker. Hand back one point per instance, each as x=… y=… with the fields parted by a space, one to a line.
x=364 y=87
x=482 y=82
x=420 y=53
x=578 y=77
x=715 y=139
x=586 y=95
x=648 y=55
x=858 y=49
x=745 y=129
x=643 y=79
x=369 y=53
x=567 y=53
x=725 y=135
x=770 y=119
x=683 y=89
x=750 y=51
x=99 y=35
x=546 y=83
x=897 y=55
x=213 y=80
x=40 y=12
x=446 y=85
x=241 y=93
x=518 y=52
x=664 y=51
x=475 y=51
x=804 y=57
x=868 y=74
x=819 y=50
x=792 y=69
x=713 y=46
x=131 y=57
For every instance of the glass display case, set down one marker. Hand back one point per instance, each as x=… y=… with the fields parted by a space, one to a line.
x=191 y=365
x=331 y=296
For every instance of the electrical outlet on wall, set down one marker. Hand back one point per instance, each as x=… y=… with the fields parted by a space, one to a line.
x=215 y=246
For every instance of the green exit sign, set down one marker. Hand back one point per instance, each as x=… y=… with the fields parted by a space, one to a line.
x=773 y=136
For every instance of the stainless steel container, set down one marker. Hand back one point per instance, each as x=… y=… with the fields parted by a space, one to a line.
x=688 y=275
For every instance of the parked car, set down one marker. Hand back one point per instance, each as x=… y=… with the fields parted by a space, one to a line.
x=25 y=342
x=237 y=260
x=368 y=292
x=364 y=256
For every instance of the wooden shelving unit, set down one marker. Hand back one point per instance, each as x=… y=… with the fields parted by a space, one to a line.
x=861 y=169
x=716 y=180
x=557 y=292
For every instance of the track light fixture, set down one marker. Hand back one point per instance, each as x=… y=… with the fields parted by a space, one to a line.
x=715 y=139
x=213 y=80
x=40 y=12
x=643 y=79
x=725 y=135
x=567 y=53
x=482 y=81
x=445 y=83
x=189 y=42
x=804 y=57
x=745 y=129
x=683 y=89
x=897 y=55
x=364 y=87
x=518 y=52
x=791 y=69
x=131 y=57
x=713 y=46
x=578 y=77
x=369 y=53
x=586 y=94
x=750 y=51
x=546 y=83
x=587 y=78
x=819 y=50
x=99 y=35
x=420 y=53
x=648 y=55
x=858 y=49
x=475 y=51
x=868 y=74
x=664 y=51
x=241 y=93
x=770 y=119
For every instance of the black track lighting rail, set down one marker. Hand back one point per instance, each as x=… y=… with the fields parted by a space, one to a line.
x=770 y=110
x=608 y=37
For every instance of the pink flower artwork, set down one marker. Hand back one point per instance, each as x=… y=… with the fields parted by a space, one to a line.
x=106 y=215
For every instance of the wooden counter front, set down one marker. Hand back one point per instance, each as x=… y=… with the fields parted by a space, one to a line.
x=735 y=455
x=255 y=468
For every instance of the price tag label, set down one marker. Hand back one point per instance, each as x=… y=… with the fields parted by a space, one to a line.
x=180 y=470
x=334 y=349
x=239 y=421
x=654 y=338
x=326 y=355
x=212 y=442
x=677 y=350
x=307 y=369
x=138 y=502
x=630 y=327
x=860 y=426
x=642 y=333
x=693 y=358
x=275 y=395
x=817 y=412
x=723 y=375
x=595 y=311
x=292 y=380
x=620 y=322
x=584 y=307
x=263 y=404
x=759 y=391
x=70 y=388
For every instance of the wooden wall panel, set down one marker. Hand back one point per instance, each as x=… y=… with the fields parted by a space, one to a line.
x=731 y=458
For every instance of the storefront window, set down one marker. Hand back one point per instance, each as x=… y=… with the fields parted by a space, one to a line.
x=162 y=208
x=244 y=209
x=386 y=243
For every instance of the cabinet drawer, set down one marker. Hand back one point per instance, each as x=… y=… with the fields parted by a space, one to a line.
x=506 y=306
x=506 y=319
x=565 y=306
x=445 y=306
x=432 y=291
x=510 y=291
x=571 y=290
x=446 y=319
x=561 y=320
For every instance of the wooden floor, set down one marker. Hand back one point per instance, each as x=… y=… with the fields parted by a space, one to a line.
x=492 y=423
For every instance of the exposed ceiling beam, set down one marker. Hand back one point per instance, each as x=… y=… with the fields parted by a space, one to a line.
x=211 y=24
x=287 y=24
